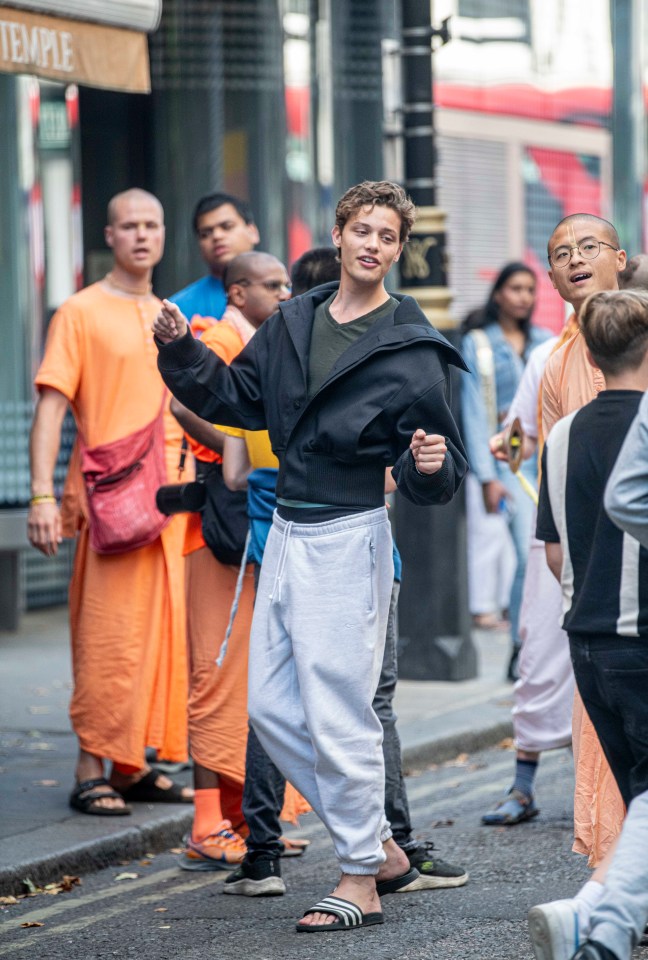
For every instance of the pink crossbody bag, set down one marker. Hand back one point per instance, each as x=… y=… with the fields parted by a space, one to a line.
x=121 y=480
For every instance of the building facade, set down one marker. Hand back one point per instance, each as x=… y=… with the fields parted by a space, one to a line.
x=287 y=103
x=279 y=101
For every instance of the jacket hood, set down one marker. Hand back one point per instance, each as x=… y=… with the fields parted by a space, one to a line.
x=407 y=322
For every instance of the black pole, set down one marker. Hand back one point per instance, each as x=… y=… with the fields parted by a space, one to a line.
x=434 y=623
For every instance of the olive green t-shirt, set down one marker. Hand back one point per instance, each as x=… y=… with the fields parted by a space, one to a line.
x=330 y=339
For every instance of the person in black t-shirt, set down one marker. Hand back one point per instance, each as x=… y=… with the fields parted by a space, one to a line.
x=604 y=577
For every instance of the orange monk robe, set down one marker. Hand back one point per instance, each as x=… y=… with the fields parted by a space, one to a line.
x=569 y=382
x=218 y=718
x=127 y=612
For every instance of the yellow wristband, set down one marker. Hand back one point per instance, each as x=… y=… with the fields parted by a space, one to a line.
x=42 y=498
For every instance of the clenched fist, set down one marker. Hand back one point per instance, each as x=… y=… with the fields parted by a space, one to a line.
x=428 y=450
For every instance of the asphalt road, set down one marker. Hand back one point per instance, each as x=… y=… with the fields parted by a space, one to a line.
x=164 y=913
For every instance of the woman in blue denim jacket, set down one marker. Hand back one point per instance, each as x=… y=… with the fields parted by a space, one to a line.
x=497 y=341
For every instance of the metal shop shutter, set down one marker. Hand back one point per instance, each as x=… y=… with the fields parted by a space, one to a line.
x=473 y=192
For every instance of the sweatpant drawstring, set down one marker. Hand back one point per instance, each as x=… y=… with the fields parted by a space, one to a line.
x=283 y=556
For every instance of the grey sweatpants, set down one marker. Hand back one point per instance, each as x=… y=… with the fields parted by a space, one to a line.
x=620 y=916
x=316 y=651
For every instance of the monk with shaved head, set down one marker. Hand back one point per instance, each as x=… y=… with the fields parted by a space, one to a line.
x=585 y=257
x=127 y=616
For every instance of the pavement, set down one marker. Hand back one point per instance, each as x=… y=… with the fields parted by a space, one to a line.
x=41 y=838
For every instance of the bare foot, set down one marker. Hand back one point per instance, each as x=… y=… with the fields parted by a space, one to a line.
x=90 y=767
x=360 y=890
x=396 y=864
x=121 y=781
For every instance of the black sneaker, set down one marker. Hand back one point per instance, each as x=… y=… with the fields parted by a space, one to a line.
x=434 y=871
x=259 y=879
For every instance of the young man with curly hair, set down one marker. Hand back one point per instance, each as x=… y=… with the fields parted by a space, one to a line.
x=348 y=380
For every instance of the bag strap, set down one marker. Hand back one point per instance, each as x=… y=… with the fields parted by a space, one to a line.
x=184 y=447
x=84 y=446
x=486 y=371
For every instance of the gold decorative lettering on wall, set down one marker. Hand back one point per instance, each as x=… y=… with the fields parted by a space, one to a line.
x=415 y=264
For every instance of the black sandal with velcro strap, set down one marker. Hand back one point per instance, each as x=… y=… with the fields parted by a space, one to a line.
x=85 y=795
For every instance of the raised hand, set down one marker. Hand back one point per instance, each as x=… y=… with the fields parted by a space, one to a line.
x=170 y=323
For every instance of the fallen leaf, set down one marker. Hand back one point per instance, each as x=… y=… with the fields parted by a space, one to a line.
x=459 y=761
x=62 y=886
x=68 y=882
x=442 y=823
x=46 y=783
x=506 y=744
x=176 y=850
x=4 y=901
x=145 y=863
x=32 y=923
x=124 y=863
x=160 y=910
x=127 y=876
x=150 y=856
x=30 y=886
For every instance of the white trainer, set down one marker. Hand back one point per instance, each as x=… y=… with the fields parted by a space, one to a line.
x=554 y=930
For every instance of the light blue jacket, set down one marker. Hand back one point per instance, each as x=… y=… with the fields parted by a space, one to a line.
x=509 y=367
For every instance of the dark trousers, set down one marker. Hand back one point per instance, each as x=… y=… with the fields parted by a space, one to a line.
x=264 y=789
x=612 y=678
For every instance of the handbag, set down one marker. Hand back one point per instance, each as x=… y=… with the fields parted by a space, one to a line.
x=121 y=478
x=224 y=515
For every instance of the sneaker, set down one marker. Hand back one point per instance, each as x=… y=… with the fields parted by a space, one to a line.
x=516 y=807
x=593 y=950
x=434 y=872
x=221 y=850
x=259 y=879
x=554 y=930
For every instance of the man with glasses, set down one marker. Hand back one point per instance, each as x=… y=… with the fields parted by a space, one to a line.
x=585 y=257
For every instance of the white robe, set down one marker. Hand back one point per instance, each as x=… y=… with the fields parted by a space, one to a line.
x=544 y=694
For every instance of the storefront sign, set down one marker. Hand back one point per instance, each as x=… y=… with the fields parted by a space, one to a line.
x=73 y=51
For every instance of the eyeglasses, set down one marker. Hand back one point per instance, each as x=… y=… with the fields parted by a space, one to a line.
x=589 y=249
x=272 y=286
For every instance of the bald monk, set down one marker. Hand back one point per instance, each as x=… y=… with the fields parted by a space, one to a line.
x=255 y=284
x=585 y=257
x=127 y=613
